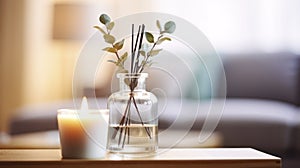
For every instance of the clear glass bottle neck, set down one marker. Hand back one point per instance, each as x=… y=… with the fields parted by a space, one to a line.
x=132 y=82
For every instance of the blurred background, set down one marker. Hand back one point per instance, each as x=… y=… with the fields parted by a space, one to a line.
x=41 y=39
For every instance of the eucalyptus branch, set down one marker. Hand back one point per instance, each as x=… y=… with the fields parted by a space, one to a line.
x=135 y=65
x=147 y=56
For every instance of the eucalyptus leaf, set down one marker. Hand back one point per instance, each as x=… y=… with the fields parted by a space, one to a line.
x=104 y=19
x=100 y=29
x=143 y=53
x=110 y=25
x=126 y=80
x=112 y=61
x=158 y=25
x=109 y=38
x=149 y=37
x=122 y=59
x=163 y=39
x=170 y=27
x=154 y=52
x=110 y=49
x=144 y=62
x=119 y=44
x=124 y=56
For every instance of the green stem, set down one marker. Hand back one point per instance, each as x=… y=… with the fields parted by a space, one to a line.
x=148 y=55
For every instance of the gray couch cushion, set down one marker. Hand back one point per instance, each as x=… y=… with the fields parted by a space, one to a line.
x=42 y=117
x=296 y=133
x=264 y=125
x=267 y=76
x=36 y=118
x=261 y=124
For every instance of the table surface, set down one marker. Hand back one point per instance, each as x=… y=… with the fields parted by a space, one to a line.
x=178 y=157
x=50 y=140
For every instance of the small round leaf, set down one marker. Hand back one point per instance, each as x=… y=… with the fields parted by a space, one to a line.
x=110 y=25
x=104 y=19
x=143 y=53
x=109 y=38
x=170 y=27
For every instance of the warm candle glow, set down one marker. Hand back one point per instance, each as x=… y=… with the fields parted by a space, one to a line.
x=84 y=105
x=83 y=132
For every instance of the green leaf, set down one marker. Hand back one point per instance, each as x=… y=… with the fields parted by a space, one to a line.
x=170 y=27
x=110 y=25
x=119 y=44
x=104 y=19
x=110 y=49
x=109 y=38
x=100 y=29
x=154 y=52
x=163 y=39
x=149 y=37
x=158 y=25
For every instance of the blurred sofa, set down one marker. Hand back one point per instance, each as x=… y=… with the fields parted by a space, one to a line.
x=261 y=110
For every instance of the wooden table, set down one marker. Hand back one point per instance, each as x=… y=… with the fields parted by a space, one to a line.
x=50 y=140
x=175 y=158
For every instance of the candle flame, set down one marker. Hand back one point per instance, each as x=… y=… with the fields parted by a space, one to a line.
x=84 y=105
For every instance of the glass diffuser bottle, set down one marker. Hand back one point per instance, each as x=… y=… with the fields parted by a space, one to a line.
x=133 y=118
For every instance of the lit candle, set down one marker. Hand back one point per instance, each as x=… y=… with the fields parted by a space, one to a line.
x=83 y=133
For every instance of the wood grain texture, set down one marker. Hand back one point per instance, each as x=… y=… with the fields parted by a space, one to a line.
x=177 y=158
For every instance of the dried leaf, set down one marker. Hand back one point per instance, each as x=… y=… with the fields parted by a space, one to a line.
x=110 y=25
x=104 y=19
x=127 y=81
x=110 y=49
x=149 y=37
x=109 y=38
x=100 y=29
x=124 y=56
x=154 y=52
x=170 y=27
x=119 y=44
x=163 y=39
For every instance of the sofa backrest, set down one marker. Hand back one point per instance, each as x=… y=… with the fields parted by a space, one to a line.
x=265 y=76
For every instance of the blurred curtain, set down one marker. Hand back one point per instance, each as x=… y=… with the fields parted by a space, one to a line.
x=11 y=57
